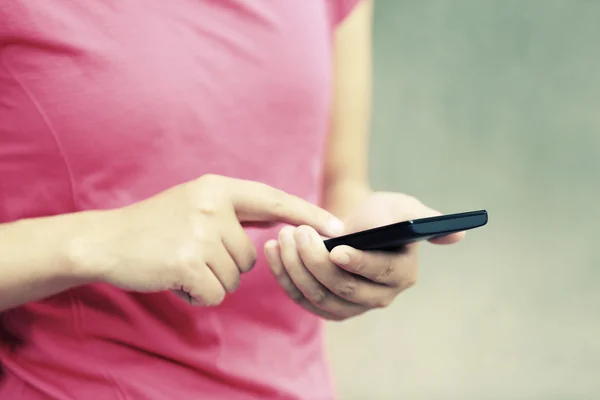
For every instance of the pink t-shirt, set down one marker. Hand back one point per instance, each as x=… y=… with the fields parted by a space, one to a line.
x=104 y=103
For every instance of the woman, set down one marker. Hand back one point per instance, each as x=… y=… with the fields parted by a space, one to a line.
x=140 y=147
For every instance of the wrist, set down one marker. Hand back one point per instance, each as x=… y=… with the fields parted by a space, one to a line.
x=342 y=196
x=84 y=246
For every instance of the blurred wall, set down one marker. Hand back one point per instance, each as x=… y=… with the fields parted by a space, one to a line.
x=488 y=104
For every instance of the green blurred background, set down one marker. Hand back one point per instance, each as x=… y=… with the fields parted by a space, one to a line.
x=488 y=104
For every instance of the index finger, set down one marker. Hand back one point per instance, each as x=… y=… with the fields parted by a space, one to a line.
x=446 y=239
x=258 y=202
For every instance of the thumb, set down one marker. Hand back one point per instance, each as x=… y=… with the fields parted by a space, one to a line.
x=257 y=202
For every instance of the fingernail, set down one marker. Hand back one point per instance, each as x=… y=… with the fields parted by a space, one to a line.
x=271 y=245
x=336 y=227
x=287 y=235
x=341 y=257
x=302 y=237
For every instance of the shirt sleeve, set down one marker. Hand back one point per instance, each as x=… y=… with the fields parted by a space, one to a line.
x=340 y=9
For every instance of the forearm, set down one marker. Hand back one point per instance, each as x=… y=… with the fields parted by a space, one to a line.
x=346 y=169
x=340 y=197
x=35 y=260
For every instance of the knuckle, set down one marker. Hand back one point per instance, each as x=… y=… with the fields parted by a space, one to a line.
x=385 y=273
x=280 y=274
x=198 y=228
x=247 y=266
x=318 y=296
x=384 y=302
x=250 y=259
x=283 y=233
x=358 y=263
x=182 y=282
x=292 y=291
x=347 y=287
x=215 y=299
x=296 y=295
x=243 y=251
x=279 y=208
x=232 y=283
x=206 y=242
x=410 y=280
x=209 y=179
x=350 y=312
x=187 y=258
x=304 y=229
x=200 y=186
x=206 y=207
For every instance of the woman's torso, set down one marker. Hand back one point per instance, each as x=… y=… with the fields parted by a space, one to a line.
x=104 y=103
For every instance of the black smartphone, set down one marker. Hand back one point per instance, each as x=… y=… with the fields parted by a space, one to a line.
x=393 y=237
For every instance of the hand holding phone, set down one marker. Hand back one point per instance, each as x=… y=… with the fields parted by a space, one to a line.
x=393 y=237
